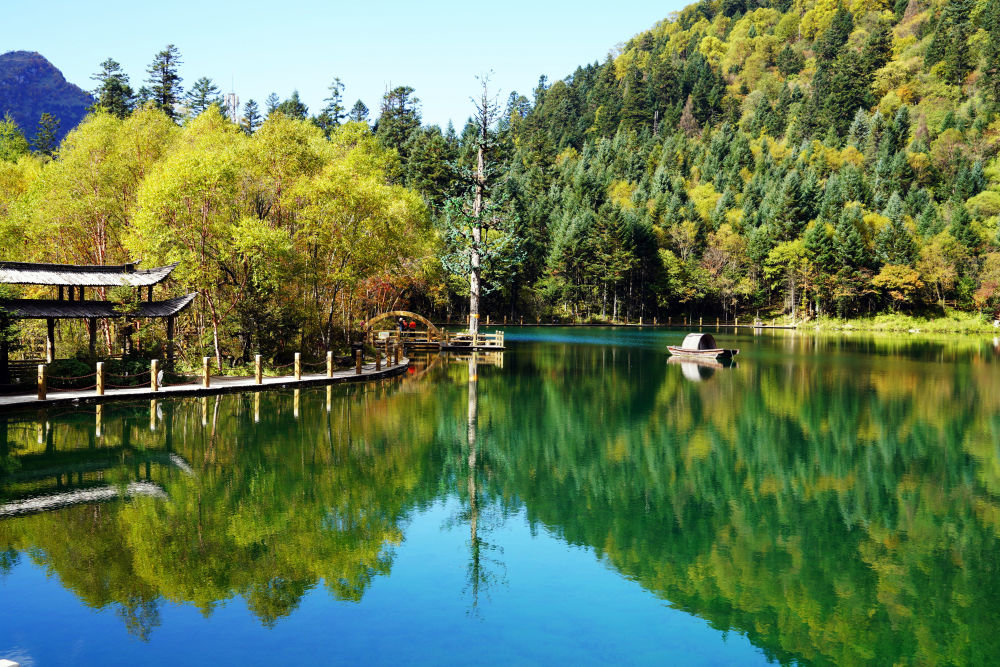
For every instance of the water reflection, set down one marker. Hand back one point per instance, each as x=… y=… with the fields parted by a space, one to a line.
x=834 y=499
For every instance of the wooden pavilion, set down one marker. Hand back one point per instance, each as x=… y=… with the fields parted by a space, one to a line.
x=71 y=283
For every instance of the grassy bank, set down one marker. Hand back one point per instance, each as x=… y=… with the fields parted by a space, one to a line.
x=952 y=322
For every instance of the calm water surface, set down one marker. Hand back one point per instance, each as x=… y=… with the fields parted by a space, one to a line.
x=579 y=499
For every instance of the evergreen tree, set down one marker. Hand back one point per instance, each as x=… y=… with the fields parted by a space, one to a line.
x=12 y=142
x=790 y=61
x=293 y=107
x=958 y=56
x=251 y=117
x=334 y=113
x=851 y=250
x=991 y=51
x=819 y=245
x=894 y=243
x=961 y=227
x=164 y=83
x=46 y=138
x=113 y=93
x=849 y=91
x=400 y=116
x=271 y=103
x=359 y=113
x=203 y=94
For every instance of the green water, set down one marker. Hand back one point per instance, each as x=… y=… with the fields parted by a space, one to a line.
x=825 y=500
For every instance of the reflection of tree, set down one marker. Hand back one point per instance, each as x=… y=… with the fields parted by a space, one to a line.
x=270 y=511
x=482 y=569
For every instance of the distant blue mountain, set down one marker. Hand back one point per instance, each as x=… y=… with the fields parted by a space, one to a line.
x=30 y=85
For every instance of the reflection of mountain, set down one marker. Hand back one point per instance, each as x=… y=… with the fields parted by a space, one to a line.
x=841 y=510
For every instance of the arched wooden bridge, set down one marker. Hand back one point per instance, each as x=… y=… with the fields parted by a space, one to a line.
x=427 y=337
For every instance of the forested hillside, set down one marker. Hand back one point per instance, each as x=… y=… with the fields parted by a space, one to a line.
x=759 y=156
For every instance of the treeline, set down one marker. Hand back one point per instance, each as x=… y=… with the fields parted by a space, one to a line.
x=290 y=237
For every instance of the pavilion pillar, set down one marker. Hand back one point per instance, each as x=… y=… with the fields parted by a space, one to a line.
x=149 y=294
x=50 y=338
x=60 y=292
x=4 y=372
x=170 y=341
x=92 y=332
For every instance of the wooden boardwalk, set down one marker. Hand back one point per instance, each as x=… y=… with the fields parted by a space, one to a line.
x=218 y=385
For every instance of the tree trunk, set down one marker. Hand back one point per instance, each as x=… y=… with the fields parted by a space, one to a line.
x=477 y=237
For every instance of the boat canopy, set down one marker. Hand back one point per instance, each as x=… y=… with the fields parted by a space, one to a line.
x=699 y=341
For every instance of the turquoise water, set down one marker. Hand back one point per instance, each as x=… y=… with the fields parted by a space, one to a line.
x=825 y=500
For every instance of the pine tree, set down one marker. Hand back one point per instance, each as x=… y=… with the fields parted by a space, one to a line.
x=819 y=245
x=961 y=227
x=293 y=107
x=789 y=61
x=958 y=56
x=400 y=117
x=991 y=51
x=851 y=250
x=849 y=91
x=164 y=83
x=12 y=142
x=46 y=139
x=203 y=94
x=894 y=244
x=113 y=93
x=271 y=103
x=359 y=113
x=334 y=112
x=251 y=117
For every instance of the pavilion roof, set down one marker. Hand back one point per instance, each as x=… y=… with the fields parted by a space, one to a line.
x=27 y=273
x=40 y=309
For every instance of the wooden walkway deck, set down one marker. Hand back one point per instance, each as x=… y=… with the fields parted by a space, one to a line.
x=218 y=385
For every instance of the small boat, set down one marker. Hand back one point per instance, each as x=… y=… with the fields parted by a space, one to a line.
x=701 y=346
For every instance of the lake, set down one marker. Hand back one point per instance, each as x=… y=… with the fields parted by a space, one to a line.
x=577 y=499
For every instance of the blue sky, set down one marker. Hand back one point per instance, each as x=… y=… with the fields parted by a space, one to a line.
x=258 y=47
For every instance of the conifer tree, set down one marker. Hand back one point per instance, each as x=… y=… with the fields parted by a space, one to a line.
x=12 y=141
x=203 y=94
x=251 y=117
x=399 y=117
x=46 y=139
x=293 y=107
x=164 y=82
x=271 y=103
x=113 y=92
x=359 y=112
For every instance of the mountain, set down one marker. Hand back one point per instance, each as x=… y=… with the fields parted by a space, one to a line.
x=30 y=85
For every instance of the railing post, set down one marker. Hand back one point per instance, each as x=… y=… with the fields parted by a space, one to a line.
x=298 y=365
x=258 y=372
x=737 y=322
x=475 y=340
x=329 y=364
x=41 y=382
x=100 y=378
x=357 y=362
x=378 y=359
x=699 y=320
x=154 y=382
x=205 y=377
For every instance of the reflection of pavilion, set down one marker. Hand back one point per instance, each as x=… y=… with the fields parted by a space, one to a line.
x=51 y=479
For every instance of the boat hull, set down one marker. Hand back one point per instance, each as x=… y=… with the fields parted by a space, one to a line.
x=716 y=353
